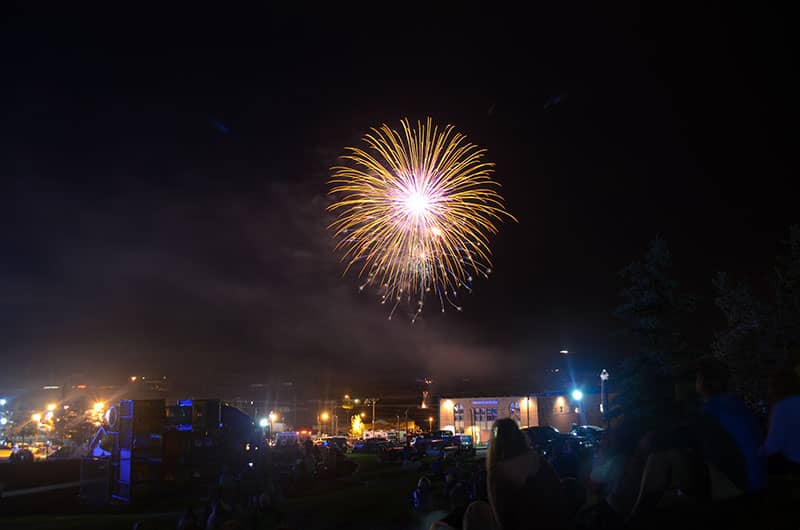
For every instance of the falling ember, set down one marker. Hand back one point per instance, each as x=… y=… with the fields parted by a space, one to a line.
x=415 y=211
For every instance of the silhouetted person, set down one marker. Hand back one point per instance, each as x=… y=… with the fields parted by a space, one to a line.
x=564 y=458
x=188 y=520
x=728 y=414
x=422 y=494
x=782 y=445
x=220 y=514
x=524 y=490
x=459 y=500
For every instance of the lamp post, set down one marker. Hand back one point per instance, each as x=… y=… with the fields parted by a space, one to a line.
x=603 y=395
x=272 y=419
x=373 y=401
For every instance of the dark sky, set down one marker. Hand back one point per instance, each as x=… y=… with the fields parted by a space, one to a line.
x=164 y=180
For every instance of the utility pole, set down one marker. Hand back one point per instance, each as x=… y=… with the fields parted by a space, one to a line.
x=373 y=400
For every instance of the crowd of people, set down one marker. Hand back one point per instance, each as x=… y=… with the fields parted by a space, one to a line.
x=250 y=494
x=706 y=460
x=703 y=462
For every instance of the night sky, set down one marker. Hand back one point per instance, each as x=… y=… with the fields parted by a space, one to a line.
x=164 y=182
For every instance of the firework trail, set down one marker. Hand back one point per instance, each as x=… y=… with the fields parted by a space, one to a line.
x=415 y=210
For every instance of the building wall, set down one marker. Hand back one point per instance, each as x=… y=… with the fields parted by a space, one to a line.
x=478 y=413
x=560 y=411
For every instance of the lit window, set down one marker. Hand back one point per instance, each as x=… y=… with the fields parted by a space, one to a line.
x=458 y=417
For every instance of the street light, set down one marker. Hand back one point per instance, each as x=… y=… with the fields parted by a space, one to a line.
x=322 y=419
x=37 y=417
x=577 y=394
x=3 y=402
x=51 y=407
x=99 y=406
x=272 y=419
x=263 y=422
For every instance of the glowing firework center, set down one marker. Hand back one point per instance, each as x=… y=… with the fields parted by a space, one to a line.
x=414 y=214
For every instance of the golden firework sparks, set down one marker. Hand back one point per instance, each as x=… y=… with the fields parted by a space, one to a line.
x=415 y=211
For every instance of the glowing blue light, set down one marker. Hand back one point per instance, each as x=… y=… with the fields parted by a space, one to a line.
x=263 y=422
x=577 y=395
x=3 y=402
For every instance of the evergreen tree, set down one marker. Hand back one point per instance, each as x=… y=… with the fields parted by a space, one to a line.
x=743 y=344
x=654 y=309
x=787 y=298
x=761 y=335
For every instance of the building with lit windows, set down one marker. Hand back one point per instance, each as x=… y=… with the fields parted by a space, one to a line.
x=475 y=415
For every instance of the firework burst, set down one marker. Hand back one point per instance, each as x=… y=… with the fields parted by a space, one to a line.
x=415 y=210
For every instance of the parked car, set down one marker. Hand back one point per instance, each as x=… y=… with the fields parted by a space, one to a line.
x=370 y=445
x=592 y=433
x=437 y=446
x=435 y=435
x=390 y=453
x=285 y=439
x=541 y=437
x=339 y=442
x=465 y=443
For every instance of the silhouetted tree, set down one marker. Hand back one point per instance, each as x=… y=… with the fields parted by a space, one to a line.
x=654 y=309
x=787 y=297
x=743 y=344
x=760 y=335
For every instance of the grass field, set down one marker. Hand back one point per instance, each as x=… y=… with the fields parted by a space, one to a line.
x=375 y=497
